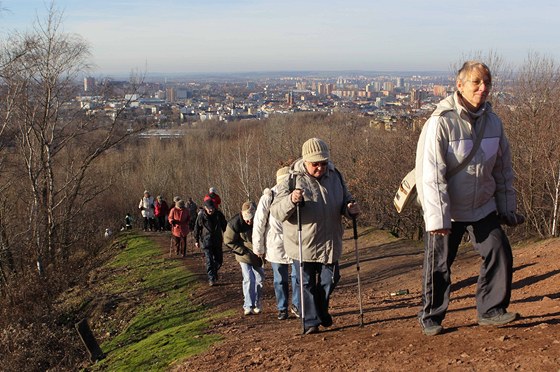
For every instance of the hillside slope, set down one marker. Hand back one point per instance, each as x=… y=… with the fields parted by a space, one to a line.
x=390 y=338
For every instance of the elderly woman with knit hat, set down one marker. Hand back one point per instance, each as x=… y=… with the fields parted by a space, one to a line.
x=238 y=238
x=323 y=198
x=179 y=218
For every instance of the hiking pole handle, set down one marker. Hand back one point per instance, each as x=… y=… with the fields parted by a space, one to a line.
x=355 y=227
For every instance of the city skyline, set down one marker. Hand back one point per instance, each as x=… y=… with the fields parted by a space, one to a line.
x=237 y=36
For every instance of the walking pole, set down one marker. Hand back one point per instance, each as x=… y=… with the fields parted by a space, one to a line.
x=354 y=225
x=300 y=245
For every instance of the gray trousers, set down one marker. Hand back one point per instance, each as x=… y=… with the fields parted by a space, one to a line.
x=493 y=290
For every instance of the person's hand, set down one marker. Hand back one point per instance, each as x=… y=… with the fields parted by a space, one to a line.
x=353 y=209
x=441 y=232
x=174 y=222
x=511 y=219
x=196 y=244
x=297 y=196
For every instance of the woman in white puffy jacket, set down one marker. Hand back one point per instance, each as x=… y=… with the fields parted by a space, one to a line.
x=268 y=242
x=146 y=207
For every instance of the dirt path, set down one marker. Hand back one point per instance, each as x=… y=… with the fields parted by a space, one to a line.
x=391 y=338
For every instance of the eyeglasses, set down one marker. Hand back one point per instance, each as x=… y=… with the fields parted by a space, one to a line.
x=477 y=83
x=323 y=164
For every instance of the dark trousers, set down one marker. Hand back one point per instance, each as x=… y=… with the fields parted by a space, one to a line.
x=319 y=281
x=180 y=244
x=493 y=291
x=213 y=258
x=149 y=223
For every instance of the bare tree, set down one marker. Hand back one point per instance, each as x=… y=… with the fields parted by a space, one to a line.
x=532 y=122
x=57 y=143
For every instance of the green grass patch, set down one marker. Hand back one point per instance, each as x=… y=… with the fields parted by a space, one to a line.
x=165 y=327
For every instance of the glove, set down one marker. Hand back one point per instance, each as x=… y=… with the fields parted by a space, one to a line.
x=353 y=208
x=174 y=222
x=511 y=219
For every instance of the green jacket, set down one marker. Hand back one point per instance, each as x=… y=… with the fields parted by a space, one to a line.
x=238 y=237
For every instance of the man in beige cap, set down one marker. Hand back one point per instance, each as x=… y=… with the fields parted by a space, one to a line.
x=320 y=191
x=238 y=238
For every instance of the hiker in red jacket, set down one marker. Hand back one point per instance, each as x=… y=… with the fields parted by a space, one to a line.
x=179 y=219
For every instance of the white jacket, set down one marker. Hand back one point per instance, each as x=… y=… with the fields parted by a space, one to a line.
x=483 y=186
x=146 y=205
x=267 y=231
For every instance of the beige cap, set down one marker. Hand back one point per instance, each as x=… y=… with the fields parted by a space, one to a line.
x=248 y=210
x=314 y=150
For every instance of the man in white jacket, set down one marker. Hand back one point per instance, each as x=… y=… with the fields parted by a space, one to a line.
x=268 y=243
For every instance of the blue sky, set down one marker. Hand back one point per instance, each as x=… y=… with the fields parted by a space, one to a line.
x=279 y=35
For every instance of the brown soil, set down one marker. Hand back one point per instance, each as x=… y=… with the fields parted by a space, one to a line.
x=390 y=338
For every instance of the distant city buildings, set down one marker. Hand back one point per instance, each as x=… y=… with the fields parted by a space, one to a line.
x=385 y=99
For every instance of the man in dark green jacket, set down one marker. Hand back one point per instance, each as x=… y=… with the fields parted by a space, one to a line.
x=238 y=238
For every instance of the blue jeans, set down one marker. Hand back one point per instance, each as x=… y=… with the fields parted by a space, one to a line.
x=281 y=285
x=253 y=278
x=319 y=281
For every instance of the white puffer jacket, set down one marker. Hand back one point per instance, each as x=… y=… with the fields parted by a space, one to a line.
x=483 y=186
x=267 y=231
x=146 y=205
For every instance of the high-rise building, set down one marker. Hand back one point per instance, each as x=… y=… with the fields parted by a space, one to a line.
x=400 y=82
x=89 y=84
x=171 y=95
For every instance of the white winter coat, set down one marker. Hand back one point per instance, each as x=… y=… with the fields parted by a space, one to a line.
x=267 y=231
x=484 y=186
x=146 y=206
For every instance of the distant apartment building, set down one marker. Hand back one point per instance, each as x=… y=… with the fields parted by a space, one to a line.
x=389 y=86
x=89 y=84
x=170 y=94
x=440 y=91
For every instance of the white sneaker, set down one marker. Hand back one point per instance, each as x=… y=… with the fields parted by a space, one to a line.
x=247 y=311
x=257 y=310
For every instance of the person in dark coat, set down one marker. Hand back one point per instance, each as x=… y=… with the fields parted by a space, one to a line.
x=208 y=235
x=238 y=238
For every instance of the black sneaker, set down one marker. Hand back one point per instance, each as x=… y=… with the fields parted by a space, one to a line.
x=294 y=310
x=283 y=315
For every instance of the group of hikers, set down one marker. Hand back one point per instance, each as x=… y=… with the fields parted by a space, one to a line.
x=297 y=223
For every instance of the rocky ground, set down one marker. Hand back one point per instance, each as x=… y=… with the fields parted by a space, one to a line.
x=390 y=338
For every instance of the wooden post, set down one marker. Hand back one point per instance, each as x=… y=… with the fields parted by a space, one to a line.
x=95 y=352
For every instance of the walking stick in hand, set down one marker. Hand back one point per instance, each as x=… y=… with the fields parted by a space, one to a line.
x=355 y=227
x=300 y=246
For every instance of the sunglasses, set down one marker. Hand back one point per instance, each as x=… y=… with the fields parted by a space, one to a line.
x=323 y=164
